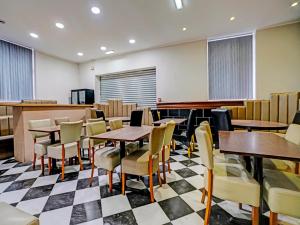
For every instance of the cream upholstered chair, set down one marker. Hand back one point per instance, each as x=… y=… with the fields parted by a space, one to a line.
x=69 y=145
x=115 y=124
x=145 y=162
x=13 y=216
x=94 y=120
x=40 y=146
x=226 y=181
x=292 y=135
x=60 y=120
x=282 y=194
x=106 y=158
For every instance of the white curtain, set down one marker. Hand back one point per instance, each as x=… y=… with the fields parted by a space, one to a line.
x=15 y=72
x=230 y=68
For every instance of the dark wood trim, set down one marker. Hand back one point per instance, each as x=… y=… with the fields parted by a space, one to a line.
x=199 y=105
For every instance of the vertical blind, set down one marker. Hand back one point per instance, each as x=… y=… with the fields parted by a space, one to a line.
x=230 y=68
x=15 y=72
x=137 y=86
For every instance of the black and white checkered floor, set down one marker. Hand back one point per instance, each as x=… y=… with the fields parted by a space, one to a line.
x=74 y=202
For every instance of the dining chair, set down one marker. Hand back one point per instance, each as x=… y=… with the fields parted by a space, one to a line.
x=296 y=119
x=292 y=135
x=69 y=146
x=282 y=194
x=94 y=120
x=145 y=162
x=115 y=124
x=107 y=157
x=100 y=114
x=60 y=120
x=136 y=118
x=41 y=140
x=155 y=115
x=226 y=181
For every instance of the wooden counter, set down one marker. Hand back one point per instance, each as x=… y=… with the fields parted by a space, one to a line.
x=22 y=113
x=199 y=105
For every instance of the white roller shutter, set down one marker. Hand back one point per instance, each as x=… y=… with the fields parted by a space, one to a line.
x=138 y=86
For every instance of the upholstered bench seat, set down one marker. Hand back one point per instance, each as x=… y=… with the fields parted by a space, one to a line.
x=13 y=216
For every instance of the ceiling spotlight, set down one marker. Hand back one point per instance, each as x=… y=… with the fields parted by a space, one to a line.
x=131 y=41
x=178 y=4
x=103 y=48
x=34 y=35
x=80 y=54
x=232 y=18
x=110 y=52
x=294 y=4
x=95 y=10
x=184 y=29
x=2 y=21
x=60 y=25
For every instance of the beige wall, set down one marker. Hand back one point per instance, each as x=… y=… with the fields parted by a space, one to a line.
x=54 y=78
x=181 y=70
x=278 y=60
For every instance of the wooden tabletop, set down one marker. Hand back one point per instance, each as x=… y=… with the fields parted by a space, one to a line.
x=259 y=144
x=176 y=120
x=127 y=133
x=49 y=129
x=124 y=119
x=259 y=124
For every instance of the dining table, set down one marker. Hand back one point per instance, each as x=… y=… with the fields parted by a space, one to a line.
x=258 y=125
x=166 y=120
x=123 y=118
x=259 y=145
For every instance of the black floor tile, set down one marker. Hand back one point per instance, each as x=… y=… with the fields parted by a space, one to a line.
x=9 y=178
x=20 y=184
x=186 y=172
x=85 y=183
x=38 y=192
x=59 y=201
x=68 y=177
x=189 y=163
x=104 y=191
x=181 y=186
x=140 y=198
x=86 y=212
x=124 y=218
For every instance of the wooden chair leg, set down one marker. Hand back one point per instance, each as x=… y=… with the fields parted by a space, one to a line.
x=297 y=168
x=164 y=162
x=273 y=218
x=63 y=163
x=189 y=151
x=93 y=167
x=151 y=179
x=43 y=164
x=255 y=215
x=123 y=183
x=110 y=174
x=203 y=196
x=209 y=197
x=89 y=152
x=240 y=206
x=34 y=160
x=79 y=156
x=169 y=166
x=49 y=165
x=158 y=176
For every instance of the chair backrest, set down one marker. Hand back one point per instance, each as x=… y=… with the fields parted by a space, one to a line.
x=100 y=114
x=70 y=132
x=208 y=130
x=60 y=120
x=156 y=139
x=115 y=124
x=94 y=120
x=222 y=119
x=95 y=128
x=169 y=132
x=205 y=147
x=37 y=124
x=190 y=130
x=293 y=134
x=296 y=119
x=136 y=118
x=155 y=115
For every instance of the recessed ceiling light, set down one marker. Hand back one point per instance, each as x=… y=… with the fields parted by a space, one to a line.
x=110 y=52
x=178 y=4
x=60 y=25
x=232 y=18
x=34 y=35
x=184 y=29
x=294 y=4
x=2 y=21
x=80 y=54
x=103 y=48
x=131 y=41
x=95 y=10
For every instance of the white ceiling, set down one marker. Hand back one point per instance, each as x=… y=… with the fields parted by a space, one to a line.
x=151 y=22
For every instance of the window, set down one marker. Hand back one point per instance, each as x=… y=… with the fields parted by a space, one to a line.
x=230 y=68
x=138 y=86
x=16 y=80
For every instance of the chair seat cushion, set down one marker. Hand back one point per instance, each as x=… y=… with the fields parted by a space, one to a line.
x=137 y=163
x=40 y=148
x=225 y=158
x=132 y=147
x=94 y=142
x=14 y=216
x=282 y=192
x=107 y=158
x=55 y=150
x=232 y=182
x=281 y=165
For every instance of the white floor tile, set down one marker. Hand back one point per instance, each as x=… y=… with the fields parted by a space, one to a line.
x=193 y=199
x=46 y=180
x=3 y=186
x=13 y=196
x=164 y=192
x=64 y=187
x=86 y=195
x=16 y=170
x=197 y=181
x=150 y=214
x=7 y=166
x=135 y=184
x=191 y=219
x=197 y=160
x=33 y=206
x=179 y=158
x=93 y=222
x=177 y=166
x=114 y=204
x=198 y=169
x=103 y=180
x=233 y=209
x=58 y=216
x=29 y=175
x=173 y=176
x=87 y=174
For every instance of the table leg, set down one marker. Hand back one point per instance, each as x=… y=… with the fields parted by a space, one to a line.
x=164 y=180
x=122 y=149
x=54 y=166
x=141 y=143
